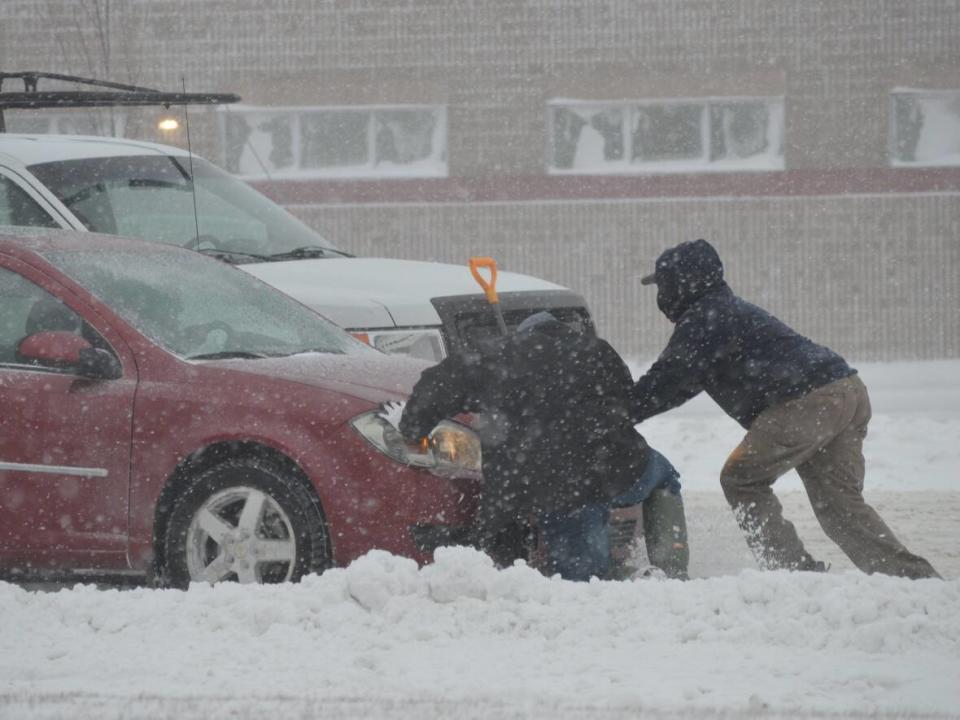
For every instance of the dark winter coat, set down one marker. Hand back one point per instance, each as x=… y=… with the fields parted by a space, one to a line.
x=554 y=419
x=746 y=359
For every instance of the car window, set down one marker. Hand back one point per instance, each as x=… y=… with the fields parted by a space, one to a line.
x=151 y=197
x=25 y=309
x=18 y=208
x=197 y=307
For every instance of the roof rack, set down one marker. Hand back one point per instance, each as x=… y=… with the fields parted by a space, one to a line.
x=117 y=95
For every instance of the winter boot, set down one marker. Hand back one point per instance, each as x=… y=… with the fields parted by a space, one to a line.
x=665 y=533
x=812 y=565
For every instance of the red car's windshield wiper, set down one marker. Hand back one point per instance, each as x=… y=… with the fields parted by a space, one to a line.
x=227 y=354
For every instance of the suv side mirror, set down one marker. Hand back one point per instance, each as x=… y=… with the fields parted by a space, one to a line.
x=68 y=351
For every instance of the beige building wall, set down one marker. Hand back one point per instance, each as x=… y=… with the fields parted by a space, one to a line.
x=496 y=62
x=873 y=277
x=872 y=272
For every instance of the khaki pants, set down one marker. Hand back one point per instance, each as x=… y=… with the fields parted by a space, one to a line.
x=821 y=436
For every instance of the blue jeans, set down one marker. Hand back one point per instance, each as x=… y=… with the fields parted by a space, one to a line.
x=578 y=543
x=659 y=473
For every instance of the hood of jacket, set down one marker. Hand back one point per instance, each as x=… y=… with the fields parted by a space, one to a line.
x=684 y=274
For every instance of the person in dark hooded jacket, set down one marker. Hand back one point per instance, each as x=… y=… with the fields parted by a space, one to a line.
x=802 y=405
x=555 y=431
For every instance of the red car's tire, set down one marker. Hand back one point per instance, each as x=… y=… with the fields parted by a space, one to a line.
x=245 y=520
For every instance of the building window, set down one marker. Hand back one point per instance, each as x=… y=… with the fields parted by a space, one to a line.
x=689 y=135
x=306 y=142
x=925 y=127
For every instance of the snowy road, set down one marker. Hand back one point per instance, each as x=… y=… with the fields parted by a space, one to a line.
x=928 y=523
x=458 y=639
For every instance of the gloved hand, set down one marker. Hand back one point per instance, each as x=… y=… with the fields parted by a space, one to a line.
x=392 y=411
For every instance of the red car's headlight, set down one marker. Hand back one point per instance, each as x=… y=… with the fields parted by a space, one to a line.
x=451 y=446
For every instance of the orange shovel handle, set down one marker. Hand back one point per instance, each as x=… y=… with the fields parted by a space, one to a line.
x=489 y=286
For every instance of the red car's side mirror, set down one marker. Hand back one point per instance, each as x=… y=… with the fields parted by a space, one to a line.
x=67 y=351
x=52 y=348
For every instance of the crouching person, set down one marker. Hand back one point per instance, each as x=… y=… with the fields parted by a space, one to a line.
x=554 y=427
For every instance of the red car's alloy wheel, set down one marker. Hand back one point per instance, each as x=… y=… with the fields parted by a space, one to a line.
x=246 y=521
x=241 y=533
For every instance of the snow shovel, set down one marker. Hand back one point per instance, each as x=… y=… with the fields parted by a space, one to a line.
x=530 y=532
x=489 y=286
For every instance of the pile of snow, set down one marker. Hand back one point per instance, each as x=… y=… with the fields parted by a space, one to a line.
x=461 y=638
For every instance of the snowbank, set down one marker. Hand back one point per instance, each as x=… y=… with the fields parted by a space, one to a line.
x=462 y=637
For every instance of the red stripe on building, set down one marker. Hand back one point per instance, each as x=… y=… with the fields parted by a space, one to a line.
x=787 y=183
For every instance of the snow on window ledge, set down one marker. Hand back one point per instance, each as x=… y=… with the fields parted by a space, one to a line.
x=676 y=167
x=942 y=161
x=380 y=172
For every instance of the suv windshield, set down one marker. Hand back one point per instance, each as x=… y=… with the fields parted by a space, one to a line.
x=150 y=197
x=198 y=308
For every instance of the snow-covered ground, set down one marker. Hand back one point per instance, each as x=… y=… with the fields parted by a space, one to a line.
x=385 y=639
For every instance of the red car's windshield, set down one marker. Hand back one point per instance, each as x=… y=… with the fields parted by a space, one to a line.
x=200 y=308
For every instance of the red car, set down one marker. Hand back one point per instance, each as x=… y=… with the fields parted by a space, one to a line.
x=162 y=412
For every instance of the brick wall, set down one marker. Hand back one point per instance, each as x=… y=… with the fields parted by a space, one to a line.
x=875 y=276
x=495 y=62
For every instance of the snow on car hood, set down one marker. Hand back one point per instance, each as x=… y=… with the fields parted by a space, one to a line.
x=368 y=375
x=360 y=293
